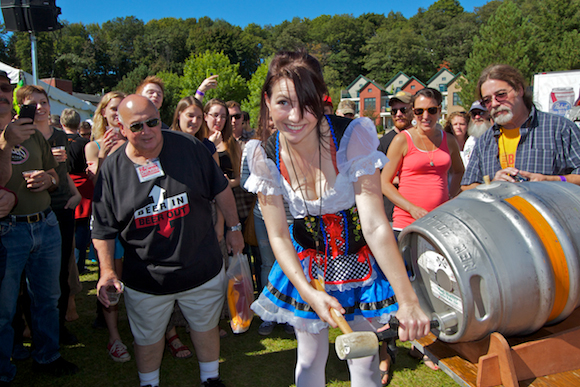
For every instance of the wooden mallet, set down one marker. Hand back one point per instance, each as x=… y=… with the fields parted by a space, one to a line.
x=362 y=344
x=352 y=344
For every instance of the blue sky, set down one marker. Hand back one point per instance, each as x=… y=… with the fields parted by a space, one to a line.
x=236 y=12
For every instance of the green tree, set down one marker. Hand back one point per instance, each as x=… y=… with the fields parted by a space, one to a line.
x=172 y=95
x=221 y=36
x=114 y=45
x=45 y=52
x=384 y=57
x=161 y=45
x=556 y=23
x=255 y=84
x=4 y=41
x=506 y=39
x=231 y=86
x=73 y=59
x=131 y=80
x=292 y=35
x=340 y=40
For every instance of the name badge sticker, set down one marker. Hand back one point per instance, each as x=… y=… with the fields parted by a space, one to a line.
x=149 y=171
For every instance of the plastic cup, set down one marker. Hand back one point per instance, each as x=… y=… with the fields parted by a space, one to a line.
x=59 y=153
x=27 y=174
x=113 y=294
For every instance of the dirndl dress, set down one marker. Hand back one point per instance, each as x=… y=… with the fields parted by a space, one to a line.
x=350 y=271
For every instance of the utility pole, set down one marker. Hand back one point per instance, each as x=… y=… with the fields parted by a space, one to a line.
x=34 y=57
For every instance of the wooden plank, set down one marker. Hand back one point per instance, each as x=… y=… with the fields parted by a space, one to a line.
x=464 y=372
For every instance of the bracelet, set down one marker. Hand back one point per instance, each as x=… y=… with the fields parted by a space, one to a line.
x=200 y=93
x=563 y=178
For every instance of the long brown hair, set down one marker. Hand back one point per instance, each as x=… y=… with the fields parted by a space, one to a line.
x=306 y=73
x=227 y=134
x=100 y=122
x=181 y=106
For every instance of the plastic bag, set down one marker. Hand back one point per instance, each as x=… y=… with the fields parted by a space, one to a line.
x=240 y=293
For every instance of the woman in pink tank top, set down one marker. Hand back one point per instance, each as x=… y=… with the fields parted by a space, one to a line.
x=422 y=156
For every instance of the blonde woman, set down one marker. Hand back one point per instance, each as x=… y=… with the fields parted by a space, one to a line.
x=106 y=139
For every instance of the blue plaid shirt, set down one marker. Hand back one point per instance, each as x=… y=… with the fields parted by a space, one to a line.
x=549 y=144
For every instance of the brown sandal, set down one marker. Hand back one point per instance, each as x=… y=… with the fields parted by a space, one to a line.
x=388 y=373
x=177 y=350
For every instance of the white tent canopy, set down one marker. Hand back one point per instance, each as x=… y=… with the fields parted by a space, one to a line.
x=59 y=100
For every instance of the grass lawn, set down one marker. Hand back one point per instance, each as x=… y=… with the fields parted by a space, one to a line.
x=246 y=360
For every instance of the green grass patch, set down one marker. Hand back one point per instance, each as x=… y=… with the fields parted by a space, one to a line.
x=246 y=360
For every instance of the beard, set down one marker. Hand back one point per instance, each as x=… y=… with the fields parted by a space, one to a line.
x=402 y=125
x=502 y=119
x=477 y=130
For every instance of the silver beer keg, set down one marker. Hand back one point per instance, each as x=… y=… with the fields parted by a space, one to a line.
x=503 y=257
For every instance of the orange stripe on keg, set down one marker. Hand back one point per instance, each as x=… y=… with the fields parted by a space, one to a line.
x=554 y=249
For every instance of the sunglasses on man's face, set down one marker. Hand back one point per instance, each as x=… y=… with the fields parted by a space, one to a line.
x=138 y=126
x=432 y=110
x=394 y=111
x=6 y=87
x=500 y=96
x=237 y=116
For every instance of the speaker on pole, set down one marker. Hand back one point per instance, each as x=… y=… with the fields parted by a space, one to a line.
x=41 y=15
x=13 y=15
x=30 y=15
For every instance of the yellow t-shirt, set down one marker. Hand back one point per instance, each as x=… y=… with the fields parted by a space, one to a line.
x=508 y=145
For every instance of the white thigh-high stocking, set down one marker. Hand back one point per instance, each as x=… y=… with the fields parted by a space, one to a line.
x=312 y=356
x=364 y=372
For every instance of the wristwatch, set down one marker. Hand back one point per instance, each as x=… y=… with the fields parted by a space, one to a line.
x=237 y=227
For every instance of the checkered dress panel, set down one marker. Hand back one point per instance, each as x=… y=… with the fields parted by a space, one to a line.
x=344 y=267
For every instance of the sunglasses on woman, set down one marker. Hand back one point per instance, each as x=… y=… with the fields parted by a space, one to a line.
x=432 y=110
x=138 y=126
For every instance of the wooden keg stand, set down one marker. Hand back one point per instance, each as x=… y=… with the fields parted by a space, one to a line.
x=494 y=361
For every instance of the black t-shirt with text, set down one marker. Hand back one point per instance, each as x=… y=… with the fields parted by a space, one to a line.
x=165 y=223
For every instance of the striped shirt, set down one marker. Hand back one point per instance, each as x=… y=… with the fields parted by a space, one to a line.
x=549 y=145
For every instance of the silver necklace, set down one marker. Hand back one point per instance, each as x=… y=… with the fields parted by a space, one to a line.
x=429 y=153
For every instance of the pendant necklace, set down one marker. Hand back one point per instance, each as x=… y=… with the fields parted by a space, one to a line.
x=304 y=178
x=429 y=153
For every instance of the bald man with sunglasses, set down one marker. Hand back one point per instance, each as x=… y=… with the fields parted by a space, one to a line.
x=523 y=143
x=155 y=193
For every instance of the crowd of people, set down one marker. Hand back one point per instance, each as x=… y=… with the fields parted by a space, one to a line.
x=165 y=205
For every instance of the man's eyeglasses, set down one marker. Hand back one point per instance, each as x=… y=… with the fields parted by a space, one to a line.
x=499 y=96
x=6 y=87
x=138 y=126
x=236 y=116
x=432 y=110
x=402 y=110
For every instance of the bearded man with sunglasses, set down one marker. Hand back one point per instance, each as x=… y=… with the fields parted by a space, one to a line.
x=523 y=143
x=155 y=193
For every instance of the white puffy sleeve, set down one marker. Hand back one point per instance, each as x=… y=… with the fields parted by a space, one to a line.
x=264 y=176
x=358 y=154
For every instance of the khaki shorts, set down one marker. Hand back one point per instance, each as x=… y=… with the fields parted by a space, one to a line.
x=149 y=314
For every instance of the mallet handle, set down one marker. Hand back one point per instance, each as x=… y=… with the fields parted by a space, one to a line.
x=335 y=314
